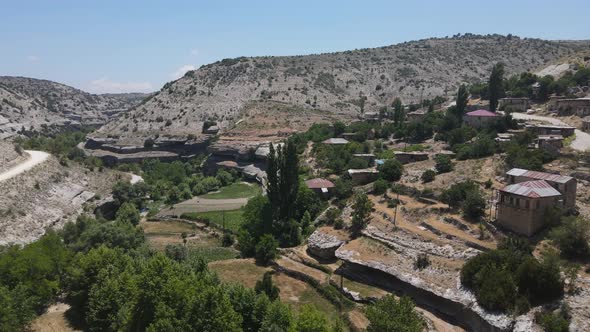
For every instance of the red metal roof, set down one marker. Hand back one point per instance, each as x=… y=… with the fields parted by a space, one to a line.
x=533 y=189
x=319 y=183
x=539 y=175
x=483 y=113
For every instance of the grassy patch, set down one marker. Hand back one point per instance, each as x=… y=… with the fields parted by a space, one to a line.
x=235 y=190
x=568 y=140
x=212 y=254
x=231 y=218
x=242 y=271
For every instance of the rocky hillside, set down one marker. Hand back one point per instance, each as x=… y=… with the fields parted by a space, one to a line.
x=339 y=83
x=27 y=102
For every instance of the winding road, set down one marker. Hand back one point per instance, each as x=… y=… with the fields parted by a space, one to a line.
x=35 y=158
x=582 y=141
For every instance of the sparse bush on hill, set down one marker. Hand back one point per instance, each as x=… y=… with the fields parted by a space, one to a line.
x=390 y=314
x=428 y=176
x=443 y=163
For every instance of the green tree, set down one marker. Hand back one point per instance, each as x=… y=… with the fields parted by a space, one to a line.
x=267 y=287
x=361 y=214
x=389 y=314
x=380 y=187
x=474 y=204
x=278 y=318
x=128 y=213
x=461 y=102
x=311 y=320
x=495 y=86
x=391 y=170
x=266 y=249
x=398 y=112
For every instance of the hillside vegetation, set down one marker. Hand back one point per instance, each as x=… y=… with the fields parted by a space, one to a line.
x=345 y=83
x=35 y=104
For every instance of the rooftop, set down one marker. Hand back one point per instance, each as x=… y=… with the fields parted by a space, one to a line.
x=533 y=189
x=363 y=170
x=539 y=175
x=482 y=113
x=319 y=183
x=335 y=140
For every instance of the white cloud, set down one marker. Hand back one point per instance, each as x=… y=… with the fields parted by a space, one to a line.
x=194 y=52
x=33 y=58
x=105 y=85
x=181 y=71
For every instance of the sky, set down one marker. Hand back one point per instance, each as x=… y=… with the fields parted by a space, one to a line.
x=136 y=46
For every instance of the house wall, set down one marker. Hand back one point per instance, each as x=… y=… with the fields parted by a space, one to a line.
x=363 y=178
x=523 y=215
x=479 y=121
x=517 y=105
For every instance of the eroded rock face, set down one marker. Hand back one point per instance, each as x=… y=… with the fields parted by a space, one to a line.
x=323 y=245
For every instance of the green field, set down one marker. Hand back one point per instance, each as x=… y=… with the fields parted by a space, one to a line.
x=235 y=190
x=233 y=218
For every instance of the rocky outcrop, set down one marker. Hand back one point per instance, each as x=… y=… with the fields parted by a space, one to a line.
x=457 y=305
x=323 y=245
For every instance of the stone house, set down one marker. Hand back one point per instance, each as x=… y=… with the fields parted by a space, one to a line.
x=363 y=176
x=571 y=106
x=336 y=141
x=566 y=185
x=514 y=104
x=369 y=157
x=416 y=116
x=522 y=206
x=548 y=129
x=480 y=118
x=410 y=157
x=550 y=143
x=321 y=186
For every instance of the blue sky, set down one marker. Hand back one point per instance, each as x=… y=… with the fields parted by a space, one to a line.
x=121 y=46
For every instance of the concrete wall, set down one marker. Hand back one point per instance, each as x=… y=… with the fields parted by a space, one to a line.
x=519 y=218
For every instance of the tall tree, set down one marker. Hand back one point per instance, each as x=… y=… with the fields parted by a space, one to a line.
x=398 y=111
x=361 y=213
x=461 y=104
x=495 y=85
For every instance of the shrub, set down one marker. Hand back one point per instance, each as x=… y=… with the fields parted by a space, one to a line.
x=362 y=208
x=428 y=176
x=422 y=262
x=572 y=237
x=443 y=163
x=267 y=287
x=227 y=240
x=553 y=321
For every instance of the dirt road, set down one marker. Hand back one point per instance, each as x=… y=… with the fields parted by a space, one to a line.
x=35 y=158
x=582 y=141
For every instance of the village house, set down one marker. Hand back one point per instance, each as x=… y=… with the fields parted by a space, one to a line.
x=522 y=206
x=586 y=124
x=416 y=116
x=410 y=157
x=322 y=187
x=571 y=106
x=504 y=137
x=514 y=104
x=550 y=143
x=371 y=116
x=548 y=129
x=363 y=176
x=369 y=157
x=480 y=118
x=348 y=136
x=566 y=185
x=336 y=141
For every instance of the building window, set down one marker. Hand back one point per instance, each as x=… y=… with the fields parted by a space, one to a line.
x=538 y=204
x=526 y=204
x=517 y=202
